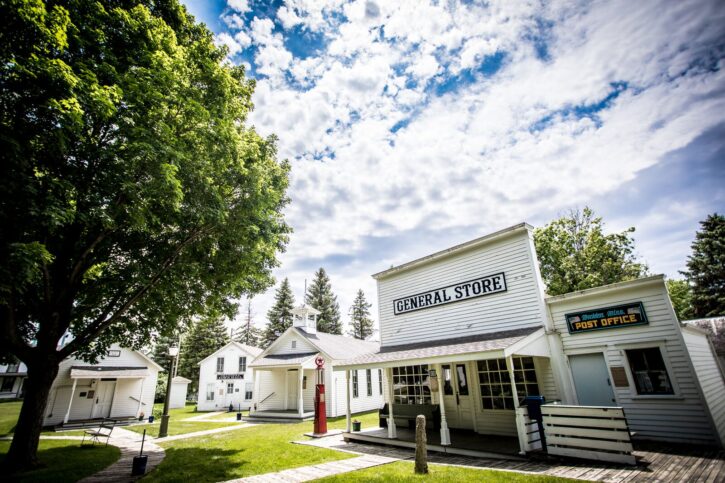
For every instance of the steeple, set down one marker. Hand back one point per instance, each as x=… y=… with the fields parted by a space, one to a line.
x=305 y=317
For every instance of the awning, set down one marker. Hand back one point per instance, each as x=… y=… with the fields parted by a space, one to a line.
x=529 y=341
x=96 y=372
x=283 y=360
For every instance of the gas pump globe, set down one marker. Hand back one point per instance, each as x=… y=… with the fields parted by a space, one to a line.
x=320 y=410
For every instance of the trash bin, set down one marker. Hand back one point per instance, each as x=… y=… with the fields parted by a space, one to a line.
x=139 y=465
x=239 y=416
x=356 y=425
x=534 y=403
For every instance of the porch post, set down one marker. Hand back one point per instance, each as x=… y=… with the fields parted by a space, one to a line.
x=257 y=374
x=140 y=398
x=392 y=432
x=70 y=401
x=300 y=398
x=347 y=400
x=445 y=433
x=520 y=419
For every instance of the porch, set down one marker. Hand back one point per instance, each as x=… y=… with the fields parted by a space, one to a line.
x=463 y=442
x=284 y=387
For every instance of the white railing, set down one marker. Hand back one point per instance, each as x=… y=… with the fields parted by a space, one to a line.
x=528 y=431
x=590 y=432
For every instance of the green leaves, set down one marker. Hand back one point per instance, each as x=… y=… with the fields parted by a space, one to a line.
x=575 y=254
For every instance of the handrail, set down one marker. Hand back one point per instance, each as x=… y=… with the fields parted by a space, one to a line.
x=138 y=400
x=272 y=394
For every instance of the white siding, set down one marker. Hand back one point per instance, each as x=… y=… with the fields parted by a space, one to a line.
x=520 y=306
x=272 y=387
x=285 y=346
x=126 y=395
x=208 y=375
x=361 y=403
x=679 y=418
x=709 y=376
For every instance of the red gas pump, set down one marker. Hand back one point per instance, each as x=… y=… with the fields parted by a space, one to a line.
x=320 y=411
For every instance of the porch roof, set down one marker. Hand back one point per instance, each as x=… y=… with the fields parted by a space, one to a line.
x=527 y=341
x=279 y=360
x=94 y=372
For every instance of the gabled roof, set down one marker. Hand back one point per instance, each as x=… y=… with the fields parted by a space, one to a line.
x=148 y=359
x=252 y=351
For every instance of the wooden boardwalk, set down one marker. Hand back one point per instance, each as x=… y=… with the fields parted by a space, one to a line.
x=656 y=463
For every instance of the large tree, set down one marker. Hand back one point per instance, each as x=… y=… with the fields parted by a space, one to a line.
x=132 y=194
x=360 y=321
x=206 y=336
x=279 y=317
x=247 y=333
x=706 y=268
x=681 y=297
x=575 y=254
x=319 y=295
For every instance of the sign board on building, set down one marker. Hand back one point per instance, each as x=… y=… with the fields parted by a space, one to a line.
x=607 y=318
x=619 y=376
x=478 y=287
x=221 y=377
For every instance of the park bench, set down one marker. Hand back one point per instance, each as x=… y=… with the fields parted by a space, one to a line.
x=408 y=412
x=96 y=434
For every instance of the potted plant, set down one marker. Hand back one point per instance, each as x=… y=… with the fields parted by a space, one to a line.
x=141 y=416
x=356 y=425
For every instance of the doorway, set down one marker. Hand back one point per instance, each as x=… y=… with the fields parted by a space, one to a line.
x=457 y=396
x=292 y=383
x=104 y=399
x=591 y=380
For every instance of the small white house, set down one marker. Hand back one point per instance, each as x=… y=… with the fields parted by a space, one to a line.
x=179 y=387
x=225 y=378
x=121 y=385
x=285 y=373
x=12 y=380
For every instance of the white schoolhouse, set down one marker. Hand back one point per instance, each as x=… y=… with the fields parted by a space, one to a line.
x=120 y=386
x=285 y=373
x=476 y=315
x=12 y=380
x=226 y=378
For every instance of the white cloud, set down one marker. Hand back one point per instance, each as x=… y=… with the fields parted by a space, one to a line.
x=241 y=6
x=225 y=39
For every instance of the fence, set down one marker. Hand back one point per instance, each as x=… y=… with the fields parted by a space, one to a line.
x=528 y=431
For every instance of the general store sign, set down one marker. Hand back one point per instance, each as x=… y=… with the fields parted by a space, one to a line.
x=478 y=287
x=607 y=318
x=220 y=377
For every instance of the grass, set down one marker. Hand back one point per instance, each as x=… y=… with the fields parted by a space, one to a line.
x=177 y=425
x=9 y=412
x=402 y=471
x=250 y=451
x=64 y=461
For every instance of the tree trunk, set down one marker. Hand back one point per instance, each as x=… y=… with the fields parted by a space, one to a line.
x=23 y=453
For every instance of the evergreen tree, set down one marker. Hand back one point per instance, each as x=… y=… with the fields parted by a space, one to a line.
x=362 y=324
x=575 y=254
x=706 y=268
x=205 y=337
x=279 y=317
x=319 y=296
x=247 y=333
x=681 y=297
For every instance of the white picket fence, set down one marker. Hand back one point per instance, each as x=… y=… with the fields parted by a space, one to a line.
x=528 y=431
x=590 y=432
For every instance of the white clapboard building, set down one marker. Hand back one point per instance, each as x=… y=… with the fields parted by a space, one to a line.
x=469 y=320
x=285 y=373
x=119 y=386
x=226 y=378
x=12 y=380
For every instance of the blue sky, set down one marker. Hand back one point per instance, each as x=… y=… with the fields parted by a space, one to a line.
x=414 y=126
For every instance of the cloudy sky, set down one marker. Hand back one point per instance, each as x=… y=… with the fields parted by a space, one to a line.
x=412 y=126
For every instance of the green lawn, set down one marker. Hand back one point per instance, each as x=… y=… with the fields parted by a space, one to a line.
x=177 y=425
x=9 y=412
x=402 y=471
x=250 y=451
x=64 y=461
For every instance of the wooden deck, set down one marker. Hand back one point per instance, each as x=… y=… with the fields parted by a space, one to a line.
x=656 y=462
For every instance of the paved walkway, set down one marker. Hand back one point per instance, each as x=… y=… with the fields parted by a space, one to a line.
x=203 y=433
x=204 y=416
x=129 y=443
x=657 y=462
x=309 y=473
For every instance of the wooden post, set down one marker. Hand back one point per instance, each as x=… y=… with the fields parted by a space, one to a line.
x=300 y=394
x=421 y=453
x=445 y=432
x=347 y=401
x=392 y=433
x=70 y=401
x=140 y=399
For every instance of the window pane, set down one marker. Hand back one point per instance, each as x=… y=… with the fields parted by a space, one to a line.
x=462 y=380
x=649 y=371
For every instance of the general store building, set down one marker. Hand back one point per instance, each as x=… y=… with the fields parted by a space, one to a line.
x=476 y=315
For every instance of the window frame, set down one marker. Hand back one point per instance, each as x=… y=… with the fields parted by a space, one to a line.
x=248 y=391
x=369 y=382
x=668 y=372
x=4 y=383
x=355 y=381
x=503 y=376
x=210 y=390
x=230 y=385
x=380 y=381
x=218 y=360
x=242 y=363
x=411 y=384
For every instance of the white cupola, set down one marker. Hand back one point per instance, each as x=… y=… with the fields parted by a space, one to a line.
x=305 y=318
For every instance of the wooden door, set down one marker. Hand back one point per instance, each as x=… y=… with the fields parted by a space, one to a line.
x=104 y=399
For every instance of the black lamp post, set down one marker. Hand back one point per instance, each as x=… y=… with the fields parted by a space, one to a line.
x=164 y=428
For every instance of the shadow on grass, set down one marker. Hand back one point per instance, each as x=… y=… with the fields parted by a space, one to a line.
x=65 y=461
x=209 y=464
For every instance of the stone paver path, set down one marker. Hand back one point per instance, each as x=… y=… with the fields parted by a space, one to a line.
x=203 y=433
x=129 y=443
x=205 y=416
x=309 y=473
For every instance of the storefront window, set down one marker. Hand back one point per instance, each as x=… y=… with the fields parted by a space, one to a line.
x=411 y=385
x=447 y=385
x=649 y=371
x=495 y=382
